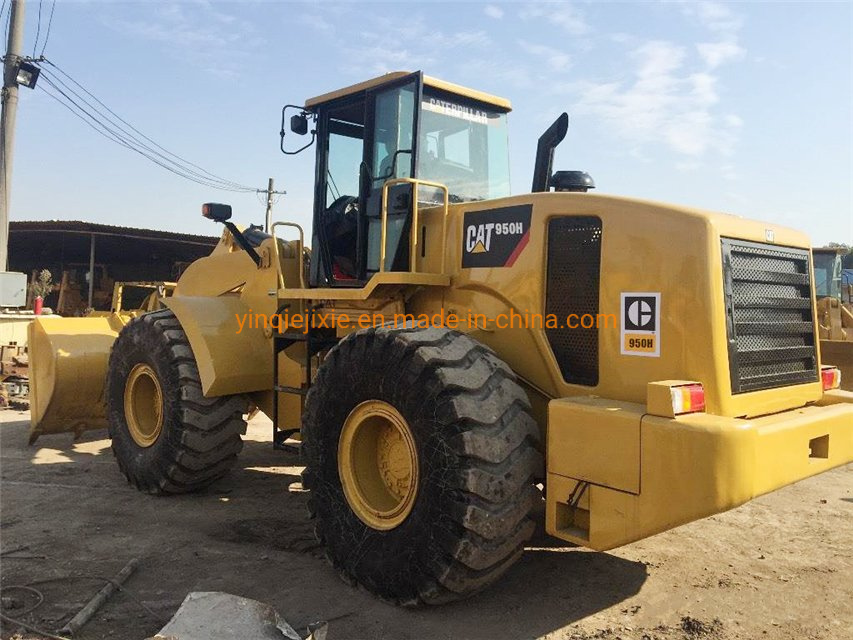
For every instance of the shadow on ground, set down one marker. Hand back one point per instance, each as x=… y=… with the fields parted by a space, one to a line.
x=249 y=535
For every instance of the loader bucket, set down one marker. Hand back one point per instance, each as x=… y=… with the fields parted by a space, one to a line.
x=68 y=368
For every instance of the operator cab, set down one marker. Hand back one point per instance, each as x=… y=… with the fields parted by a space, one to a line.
x=400 y=125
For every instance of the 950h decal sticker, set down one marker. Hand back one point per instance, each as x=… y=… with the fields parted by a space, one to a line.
x=495 y=237
x=640 y=324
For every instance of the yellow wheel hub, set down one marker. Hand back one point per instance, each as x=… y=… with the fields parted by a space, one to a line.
x=143 y=405
x=378 y=464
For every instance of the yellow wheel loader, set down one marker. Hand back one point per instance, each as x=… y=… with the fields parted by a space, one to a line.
x=834 y=311
x=449 y=346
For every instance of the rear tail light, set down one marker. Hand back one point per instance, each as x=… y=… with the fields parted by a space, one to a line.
x=831 y=377
x=688 y=398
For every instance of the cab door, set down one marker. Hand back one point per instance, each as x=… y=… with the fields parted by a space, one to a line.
x=341 y=144
x=390 y=152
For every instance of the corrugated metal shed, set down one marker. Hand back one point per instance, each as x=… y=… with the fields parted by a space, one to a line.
x=71 y=247
x=78 y=226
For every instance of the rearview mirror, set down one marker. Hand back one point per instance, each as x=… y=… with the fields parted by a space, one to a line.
x=299 y=124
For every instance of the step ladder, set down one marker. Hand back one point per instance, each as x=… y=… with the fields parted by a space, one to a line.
x=314 y=344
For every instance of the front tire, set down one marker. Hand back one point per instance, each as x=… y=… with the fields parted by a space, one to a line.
x=444 y=431
x=166 y=436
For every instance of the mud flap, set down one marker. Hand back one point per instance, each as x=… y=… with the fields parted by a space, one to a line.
x=68 y=367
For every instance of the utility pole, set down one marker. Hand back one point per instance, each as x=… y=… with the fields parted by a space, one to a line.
x=268 y=218
x=270 y=193
x=7 y=121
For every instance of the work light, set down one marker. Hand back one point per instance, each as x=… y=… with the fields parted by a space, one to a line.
x=28 y=75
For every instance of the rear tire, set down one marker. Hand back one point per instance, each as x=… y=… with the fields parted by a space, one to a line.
x=166 y=436
x=477 y=454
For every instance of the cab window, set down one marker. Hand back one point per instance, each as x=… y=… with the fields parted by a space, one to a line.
x=463 y=145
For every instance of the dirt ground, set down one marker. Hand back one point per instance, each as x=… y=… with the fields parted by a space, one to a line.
x=779 y=567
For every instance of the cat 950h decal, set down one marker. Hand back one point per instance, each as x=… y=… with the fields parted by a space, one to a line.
x=495 y=237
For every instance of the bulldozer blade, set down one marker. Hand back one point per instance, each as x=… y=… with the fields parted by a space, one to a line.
x=68 y=368
x=839 y=353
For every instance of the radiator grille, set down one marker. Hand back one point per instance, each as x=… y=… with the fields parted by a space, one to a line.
x=769 y=316
x=574 y=265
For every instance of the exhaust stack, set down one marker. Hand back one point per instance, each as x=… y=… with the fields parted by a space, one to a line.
x=549 y=140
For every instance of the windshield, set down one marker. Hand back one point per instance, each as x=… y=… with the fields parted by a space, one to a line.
x=464 y=146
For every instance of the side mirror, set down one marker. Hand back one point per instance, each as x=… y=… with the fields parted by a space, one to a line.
x=216 y=212
x=299 y=124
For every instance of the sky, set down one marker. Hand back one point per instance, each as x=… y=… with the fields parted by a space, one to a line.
x=745 y=108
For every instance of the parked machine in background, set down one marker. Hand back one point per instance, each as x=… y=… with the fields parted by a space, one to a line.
x=673 y=373
x=834 y=311
x=14 y=385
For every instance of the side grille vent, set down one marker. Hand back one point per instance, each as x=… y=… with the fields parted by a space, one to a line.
x=769 y=316
x=572 y=285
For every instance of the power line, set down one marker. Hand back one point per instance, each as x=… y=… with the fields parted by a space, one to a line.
x=204 y=174
x=38 y=31
x=124 y=135
x=130 y=139
x=7 y=21
x=92 y=122
x=49 y=24
x=207 y=174
x=99 y=127
x=98 y=119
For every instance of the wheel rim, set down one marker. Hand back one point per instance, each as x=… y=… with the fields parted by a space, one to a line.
x=378 y=464
x=143 y=405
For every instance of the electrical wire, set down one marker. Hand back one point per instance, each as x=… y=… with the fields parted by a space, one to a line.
x=112 y=138
x=109 y=124
x=38 y=31
x=8 y=20
x=119 y=135
x=262 y=196
x=19 y=587
x=93 y=122
x=130 y=140
x=31 y=628
x=206 y=174
x=49 y=24
x=17 y=620
x=38 y=594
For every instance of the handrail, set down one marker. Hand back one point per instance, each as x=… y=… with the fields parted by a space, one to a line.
x=413 y=236
x=301 y=250
x=118 y=289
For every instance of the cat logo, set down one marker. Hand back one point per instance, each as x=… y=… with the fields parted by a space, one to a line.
x=479 y=237
x=495 y=237
x=641 y=324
